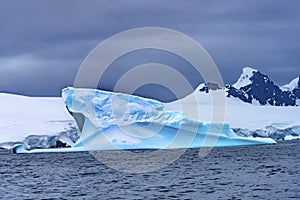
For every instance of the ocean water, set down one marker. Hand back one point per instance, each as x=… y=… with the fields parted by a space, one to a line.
x=262 y=172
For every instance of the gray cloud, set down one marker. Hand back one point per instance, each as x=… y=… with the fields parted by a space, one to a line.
x=42 y=43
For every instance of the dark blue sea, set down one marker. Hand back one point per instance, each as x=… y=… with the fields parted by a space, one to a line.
x=258 y=172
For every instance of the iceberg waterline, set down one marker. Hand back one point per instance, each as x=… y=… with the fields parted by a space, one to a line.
x=109 y=121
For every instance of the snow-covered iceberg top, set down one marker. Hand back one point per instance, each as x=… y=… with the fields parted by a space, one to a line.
x=106 y=109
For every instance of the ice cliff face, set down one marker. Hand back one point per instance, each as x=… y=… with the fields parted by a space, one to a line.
x=62 y=140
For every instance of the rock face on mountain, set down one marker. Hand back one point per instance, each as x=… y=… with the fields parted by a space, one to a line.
x=253 y=87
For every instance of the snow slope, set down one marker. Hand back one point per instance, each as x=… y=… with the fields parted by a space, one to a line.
x=248 y=118
x=21 y=116
x=291 y=86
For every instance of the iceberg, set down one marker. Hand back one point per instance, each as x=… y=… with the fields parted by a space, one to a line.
x=117 y=121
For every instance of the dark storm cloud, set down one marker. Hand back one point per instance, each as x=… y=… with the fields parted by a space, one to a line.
x=42 y=43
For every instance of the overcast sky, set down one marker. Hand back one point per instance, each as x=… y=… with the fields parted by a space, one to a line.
x=43 y=43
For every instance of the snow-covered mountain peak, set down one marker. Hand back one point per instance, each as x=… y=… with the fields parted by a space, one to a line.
x=245 y=77
x=292 y=85
x=255 y=87
x=249 y=70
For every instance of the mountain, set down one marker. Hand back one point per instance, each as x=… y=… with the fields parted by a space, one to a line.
x=293 y=86
x=257 y=88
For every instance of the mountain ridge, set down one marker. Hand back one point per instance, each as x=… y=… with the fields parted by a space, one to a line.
x=254 y=86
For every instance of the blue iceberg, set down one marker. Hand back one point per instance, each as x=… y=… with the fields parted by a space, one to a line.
x=116 y=121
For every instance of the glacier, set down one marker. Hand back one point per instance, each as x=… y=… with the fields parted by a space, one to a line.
x=114 y=121
x=21 y=116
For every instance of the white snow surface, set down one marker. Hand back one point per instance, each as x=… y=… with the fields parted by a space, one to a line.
x=291 y=86
x=239 y=114
x=21 y=116
x=289 y=137
x=244 y=78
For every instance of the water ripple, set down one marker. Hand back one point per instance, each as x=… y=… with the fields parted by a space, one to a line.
x=263 y=172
